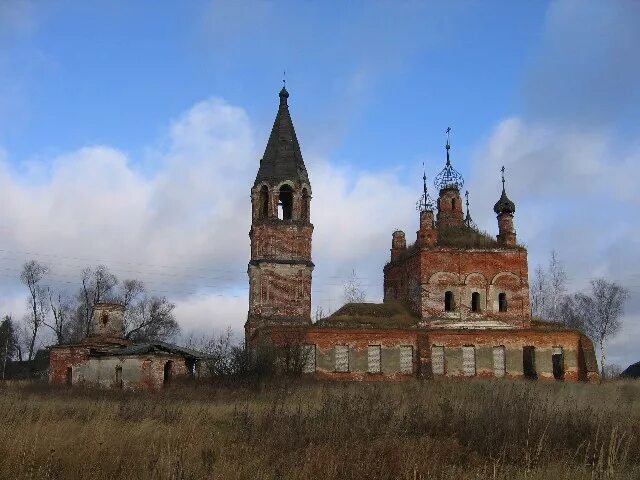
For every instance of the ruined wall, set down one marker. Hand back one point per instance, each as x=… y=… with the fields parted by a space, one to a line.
x=290 y=241
x=545 y=343
x=577 y=358
x=139 y=372
x=280 y=273
x=488 y=272
x=325 y=341
x=402 y=283
x=463 y=272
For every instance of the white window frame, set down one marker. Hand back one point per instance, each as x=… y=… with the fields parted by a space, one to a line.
x=339 y=366
x=469 y=360
x=374 y=359
x=309 y=353
x=438 y=368
x=406 y=366
x=499 y=367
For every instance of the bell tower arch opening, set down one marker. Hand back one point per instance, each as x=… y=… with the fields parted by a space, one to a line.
x=285 y=203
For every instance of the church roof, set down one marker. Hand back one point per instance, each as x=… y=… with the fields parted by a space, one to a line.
x=282 y=159
x=370 y=315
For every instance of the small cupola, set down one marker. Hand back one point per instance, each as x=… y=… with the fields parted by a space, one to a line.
x=449 y=182
x=108 y=320
x=504 y=209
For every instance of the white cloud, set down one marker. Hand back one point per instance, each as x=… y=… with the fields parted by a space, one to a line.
x=182 y=225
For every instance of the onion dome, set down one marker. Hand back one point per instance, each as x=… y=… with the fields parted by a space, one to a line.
x=425 y=204
x=504 y=204
x=448 y=177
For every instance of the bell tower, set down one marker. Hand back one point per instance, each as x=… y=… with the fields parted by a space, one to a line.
x=280 y=267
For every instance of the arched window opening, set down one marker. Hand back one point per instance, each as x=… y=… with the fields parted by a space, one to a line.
x=475 y=302
x=304 y=211
x=264 y=202
x=448 y=301
x=502 y=302
x=285 y=203
x=453 y=204
x=168 y=372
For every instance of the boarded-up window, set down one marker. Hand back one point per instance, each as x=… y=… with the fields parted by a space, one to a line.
x=437 y=360
x=342 y=358
x=498 y=361
x=406 y=359
x=309 y=358
x=373 y=359
x=469 y=361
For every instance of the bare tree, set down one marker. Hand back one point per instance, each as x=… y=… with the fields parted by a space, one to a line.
x=538 y=292
x=32 y=275
x=353 y=291
x=557 y=287
x=8 y=342
x=61 y=308
x=151 y=318
x=548 y=290
x=319 y=313
x=602 y=310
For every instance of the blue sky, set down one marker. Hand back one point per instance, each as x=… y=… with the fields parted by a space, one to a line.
x=115 y=72
x=130 y=133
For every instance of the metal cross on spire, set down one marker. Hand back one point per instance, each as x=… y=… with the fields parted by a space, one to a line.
x=284 y=79
x=424 y=180
x=502 y=170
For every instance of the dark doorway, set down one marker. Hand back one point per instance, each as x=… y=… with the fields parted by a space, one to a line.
x=168 y=372
x=502 y=302
x=529 y=362
x=557 y=360
x=264 y=202
x=69 y=377
x=475 y=302
x=191 y=367
x=448 y=301
x=118 y=376
x=285 y=203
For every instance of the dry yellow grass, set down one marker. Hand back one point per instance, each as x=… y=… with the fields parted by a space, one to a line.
x=443 y=430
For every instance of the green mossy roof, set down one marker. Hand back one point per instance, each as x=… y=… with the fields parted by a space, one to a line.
x=371 y=315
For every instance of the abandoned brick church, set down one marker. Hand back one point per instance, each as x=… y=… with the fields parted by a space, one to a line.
x=456 y=301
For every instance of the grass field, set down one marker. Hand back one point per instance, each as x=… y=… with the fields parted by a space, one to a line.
x=443 y=430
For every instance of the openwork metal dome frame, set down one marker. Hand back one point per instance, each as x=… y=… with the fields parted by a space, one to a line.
x=449 y=177
x=425 y=203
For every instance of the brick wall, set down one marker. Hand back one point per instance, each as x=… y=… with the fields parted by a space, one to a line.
x=578 y=357
x=463 y=272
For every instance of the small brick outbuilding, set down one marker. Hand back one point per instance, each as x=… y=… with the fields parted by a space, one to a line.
x=108 y=360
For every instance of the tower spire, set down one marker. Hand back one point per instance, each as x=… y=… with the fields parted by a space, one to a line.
x=468 y=221
x=424 y=202
x=502 y=170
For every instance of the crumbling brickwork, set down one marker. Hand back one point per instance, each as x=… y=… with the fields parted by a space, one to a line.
x=280 y=269
x=456 y=300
